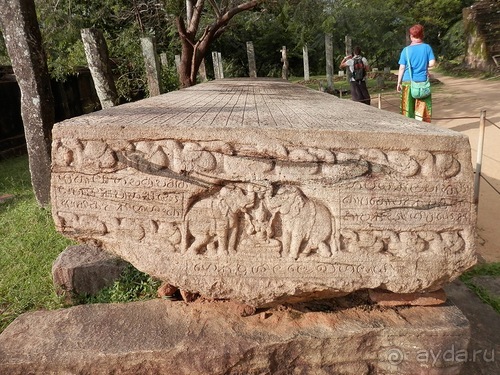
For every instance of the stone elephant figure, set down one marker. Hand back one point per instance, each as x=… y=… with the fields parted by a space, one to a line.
x=306 y=224
x=216 y=219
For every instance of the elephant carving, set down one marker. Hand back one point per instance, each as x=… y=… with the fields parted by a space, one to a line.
x=306 y=224
x=215 y=220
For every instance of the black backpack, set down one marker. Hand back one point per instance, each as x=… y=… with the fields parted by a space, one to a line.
x=359 y=71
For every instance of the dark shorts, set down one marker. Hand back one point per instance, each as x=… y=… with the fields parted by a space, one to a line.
x=359 y=92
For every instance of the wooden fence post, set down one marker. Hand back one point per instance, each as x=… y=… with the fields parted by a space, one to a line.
x=479 y=158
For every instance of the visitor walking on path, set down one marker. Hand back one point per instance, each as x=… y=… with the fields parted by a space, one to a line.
x=414 y=63
x=358 y=67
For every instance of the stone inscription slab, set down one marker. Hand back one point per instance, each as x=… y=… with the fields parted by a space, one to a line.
x=265 y=191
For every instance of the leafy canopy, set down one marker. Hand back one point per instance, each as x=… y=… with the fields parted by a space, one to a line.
x=378 y=26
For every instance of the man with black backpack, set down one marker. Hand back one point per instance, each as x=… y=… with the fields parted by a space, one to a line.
x=358 y=67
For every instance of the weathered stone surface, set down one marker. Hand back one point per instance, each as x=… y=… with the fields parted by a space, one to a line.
x=161 y=337
x=481 y=23
x=265 y=191
x=85 y=269
x=385 y=298
x=96 y=51
x=484 y=321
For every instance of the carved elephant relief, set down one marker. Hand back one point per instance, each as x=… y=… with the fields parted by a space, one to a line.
x=307 y=224
x=213 y=222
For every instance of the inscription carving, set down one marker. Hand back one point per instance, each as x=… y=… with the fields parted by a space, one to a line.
x=288 y=269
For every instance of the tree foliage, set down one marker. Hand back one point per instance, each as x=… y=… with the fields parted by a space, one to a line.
x=123 y=24
x=197 y=27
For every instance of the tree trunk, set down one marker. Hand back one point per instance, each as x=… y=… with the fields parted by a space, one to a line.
x=186 y=63
x=193 y=52
x=24 y=44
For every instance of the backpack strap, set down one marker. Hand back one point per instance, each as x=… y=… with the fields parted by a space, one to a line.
x=409 y=65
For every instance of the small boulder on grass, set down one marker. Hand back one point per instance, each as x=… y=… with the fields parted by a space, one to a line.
x=84 y=270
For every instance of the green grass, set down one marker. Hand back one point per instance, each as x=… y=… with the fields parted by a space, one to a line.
x=485 y=269
x=133 y=285
x=29 y=244
x=341 y=83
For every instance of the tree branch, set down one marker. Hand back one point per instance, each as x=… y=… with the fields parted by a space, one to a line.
x=219 y=26
x=195 y=19
x=238 y=9
x=181 y=29
x=215 y=7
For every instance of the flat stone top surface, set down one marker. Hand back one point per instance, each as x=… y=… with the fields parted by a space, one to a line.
x=270 y=105
x=267 y=192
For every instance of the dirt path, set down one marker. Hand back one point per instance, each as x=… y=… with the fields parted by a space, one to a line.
x=455 y=99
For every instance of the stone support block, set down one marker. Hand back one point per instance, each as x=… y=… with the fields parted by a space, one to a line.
x=84 y=269
x=209 y=338
x=268 y=192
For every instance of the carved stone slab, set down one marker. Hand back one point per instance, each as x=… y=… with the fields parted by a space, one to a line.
x=265 y=191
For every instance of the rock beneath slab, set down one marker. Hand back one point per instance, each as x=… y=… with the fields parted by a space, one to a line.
x=83 y=269
x=267 y=192
x=163 y=337
x=384 y=298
